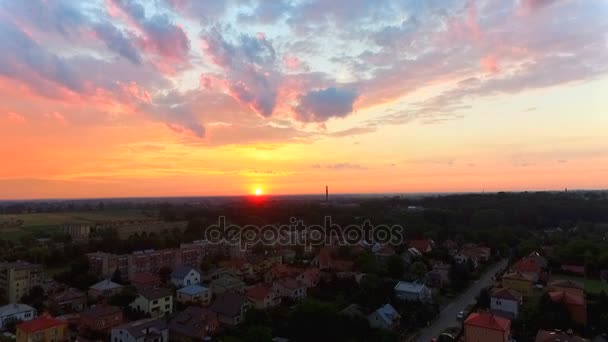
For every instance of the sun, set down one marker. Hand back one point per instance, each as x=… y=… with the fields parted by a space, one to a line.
x=258 y=192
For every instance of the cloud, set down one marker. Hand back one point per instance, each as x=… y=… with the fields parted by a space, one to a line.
x=339 y=166
x=321 y=105
x=16 y=118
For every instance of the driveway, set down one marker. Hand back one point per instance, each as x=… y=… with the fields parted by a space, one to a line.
x=448 y=316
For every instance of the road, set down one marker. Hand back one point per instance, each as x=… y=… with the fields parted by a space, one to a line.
x=448 y=316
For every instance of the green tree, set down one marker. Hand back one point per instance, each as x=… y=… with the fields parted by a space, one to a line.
x=395 y=266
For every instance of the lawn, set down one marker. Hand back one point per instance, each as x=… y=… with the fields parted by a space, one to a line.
x=52 y=222
x=591 y=285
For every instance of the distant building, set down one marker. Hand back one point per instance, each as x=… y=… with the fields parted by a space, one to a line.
x=105 y=288
x=77 y=231
x=100 y=318
x=505 y=302
x=193 y=324
x=574 y=303
x=145 y=280
x=230 y=308
x=194 y=294
x=227 y=283
x=486 y=327
x=154 y=301
x=263 y=296
x=567 y=285
x=291 y=288
x=185 y=275
x=412 y=291
x=18 y=278
x=69 y=300
x=386 y=317
x=144 y=330
x=16 y=312
x=43 y=329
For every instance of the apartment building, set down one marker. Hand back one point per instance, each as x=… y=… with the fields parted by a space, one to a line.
x=18 y=278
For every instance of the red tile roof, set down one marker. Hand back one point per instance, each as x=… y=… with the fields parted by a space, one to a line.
x=527 y=265
x=258 y=292
x=566 y=298
x=421 y=245
x=39 y=324
x=488 y=321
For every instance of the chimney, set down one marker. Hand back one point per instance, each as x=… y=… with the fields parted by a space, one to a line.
x=326 y=193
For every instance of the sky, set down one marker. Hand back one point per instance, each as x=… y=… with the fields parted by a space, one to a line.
x=130 y=98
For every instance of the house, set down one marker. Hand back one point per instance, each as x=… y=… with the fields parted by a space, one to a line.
x=433 y=279
x=539 y=259
x=558 y=336
x=487 y=327
x=239 y=267
x=214 y=274
x=310 y=277
x=184 y=276
x=291 y=288
x=520 y=282
x=422 y=245
x=386 y=317
x=43 y=329
x=505 y=302
x=530 y=265
x=100 y=318
x=574 y=303
x=478 y=254
x=193 y=324
x=16 y=312
x=143 y=280
x=281 y=271
x=105 y=288
x=194 y=294
x=69 y=300
x=18 y=278
x=227 y=283
x=567 y=285
x=144 y=330
x=323 y=260
x=263 y=296
x=443 y=270
x=412 y=291
x=154 y=301
x=230 y=308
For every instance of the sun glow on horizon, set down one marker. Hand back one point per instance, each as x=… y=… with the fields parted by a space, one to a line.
x=258 y=192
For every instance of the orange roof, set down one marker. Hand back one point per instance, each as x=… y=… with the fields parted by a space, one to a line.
x=39 y=324
x=567 y=298
x=527 y=264
x=258 y=292
x=420 y=245
x=488 y=321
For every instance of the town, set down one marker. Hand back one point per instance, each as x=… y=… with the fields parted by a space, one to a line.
x=493 y=267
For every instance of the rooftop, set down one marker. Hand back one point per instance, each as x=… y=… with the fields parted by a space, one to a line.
x=193 y=289
x=407 y=286
x=15 y=308
x=143 y=327
x=229 y=304
x=154 y=293
x=100 y=310
x=105 y=284
x=40 y=323
x=488 y=321
x=182 y=271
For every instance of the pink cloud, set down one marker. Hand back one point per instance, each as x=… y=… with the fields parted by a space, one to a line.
x=16 y=118
x=55 y=116
x=291 y=62
x=490 y=64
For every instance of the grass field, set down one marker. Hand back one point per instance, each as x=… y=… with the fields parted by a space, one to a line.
x=52 y=222
x=591 y=285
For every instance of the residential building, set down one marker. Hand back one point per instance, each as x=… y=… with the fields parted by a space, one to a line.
x=145 y=279
x=281 y=271
x=486 y=327
x=539 y=259
x=100 y=318
x=155 y=301
x=412 y=291
x=227 y=283
x=184 y=276
x=478 y=254
x=323 y=260
x=443 y=270
x=105 y=288
x=520 y=282
x=528 y=265
x=16 y=312
x=505 y=302
x=68 y=300
x=43 y=329
x=18 y=278
x=193 y=324
x=77 y=231
x=239 y=267
x=386 y=317
x=263 y=296
x=214 y=274
x=144 y=330
x=230 y=308
x=558 y=336
x=567 y=285
x=309 y=277
x=574 y=303
x=291 y=288
x=422 y=245
x=194 y=294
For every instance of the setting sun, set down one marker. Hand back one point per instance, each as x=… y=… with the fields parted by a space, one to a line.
x=258 y=192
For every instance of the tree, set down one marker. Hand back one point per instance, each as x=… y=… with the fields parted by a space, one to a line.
x=124 y=297
x=395 y=266
x=484 y=298
x=258 y=333
x=418 y=269
x=117 y=276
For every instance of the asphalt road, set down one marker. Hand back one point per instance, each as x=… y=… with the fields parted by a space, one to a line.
x=448 y=316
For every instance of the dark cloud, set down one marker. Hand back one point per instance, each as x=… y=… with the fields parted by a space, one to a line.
x=321 y=105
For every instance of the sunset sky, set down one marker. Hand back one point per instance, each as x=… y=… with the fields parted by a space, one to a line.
x=120 y=98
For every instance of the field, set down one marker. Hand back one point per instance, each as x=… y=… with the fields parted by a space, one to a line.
x=591 y=285
x=51 y=222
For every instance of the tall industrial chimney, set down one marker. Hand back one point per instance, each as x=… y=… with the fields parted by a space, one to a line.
x=326 y=193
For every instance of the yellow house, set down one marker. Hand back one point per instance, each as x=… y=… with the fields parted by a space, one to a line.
x=520 y=282
x=43 y=329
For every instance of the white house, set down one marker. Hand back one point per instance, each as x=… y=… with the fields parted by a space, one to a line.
x=16 y=312
x=154 y=301
x=386 y=317
x=148 y=329
x=505 y=302
x=291 y=288
x=184 y=276
x=412 y=291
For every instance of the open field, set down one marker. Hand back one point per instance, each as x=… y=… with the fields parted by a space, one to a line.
x=591 y=285
x=51 y=222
